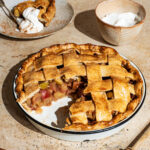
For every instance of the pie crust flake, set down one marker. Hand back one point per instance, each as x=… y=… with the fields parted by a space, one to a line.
x=105 y=87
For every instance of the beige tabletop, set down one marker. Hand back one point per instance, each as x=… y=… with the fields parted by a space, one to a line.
x=16 y=133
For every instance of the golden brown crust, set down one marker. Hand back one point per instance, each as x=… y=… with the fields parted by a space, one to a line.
x=48 y=61
x=79 y=111
x=103 y=112
x=33 y=77
x=95 y=82
x=50 y=13
x=73 y=71
x=115 y=71
x=121 y=90
x=18 y=10
x=51 y=73
x=103 y=60
x=30 y=89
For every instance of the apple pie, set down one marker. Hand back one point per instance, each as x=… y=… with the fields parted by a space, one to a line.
x=105 y=87
x=47 y=9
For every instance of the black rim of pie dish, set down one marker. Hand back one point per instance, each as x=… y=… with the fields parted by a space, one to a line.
x=90 y=131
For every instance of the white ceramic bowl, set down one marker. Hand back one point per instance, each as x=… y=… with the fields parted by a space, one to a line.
x=45 y=121
x=117 y=35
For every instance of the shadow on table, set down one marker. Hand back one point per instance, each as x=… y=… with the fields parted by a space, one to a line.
x=86 y=23
x=16 y=39
x=62 y=114
x=9 y=100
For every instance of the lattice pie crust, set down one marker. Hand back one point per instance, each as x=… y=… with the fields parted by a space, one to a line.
x=105 y=87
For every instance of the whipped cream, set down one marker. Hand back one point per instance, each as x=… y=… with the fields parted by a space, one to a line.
x=30 y=23
x=126 y=19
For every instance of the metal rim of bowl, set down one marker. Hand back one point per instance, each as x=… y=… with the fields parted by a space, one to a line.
x=91 y=131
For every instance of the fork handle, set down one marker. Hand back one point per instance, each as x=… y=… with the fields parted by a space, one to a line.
x=11 y=14
x=139 y=142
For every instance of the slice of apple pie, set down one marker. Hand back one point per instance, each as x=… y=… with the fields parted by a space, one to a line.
x=46 y=7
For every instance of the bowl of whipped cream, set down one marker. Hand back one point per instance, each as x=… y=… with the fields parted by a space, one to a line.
x=119 y=21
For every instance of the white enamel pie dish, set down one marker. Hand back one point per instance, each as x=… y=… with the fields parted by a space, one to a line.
x=47 y=120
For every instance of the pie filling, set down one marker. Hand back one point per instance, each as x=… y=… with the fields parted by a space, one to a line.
x=104 y=87
x=54 y=90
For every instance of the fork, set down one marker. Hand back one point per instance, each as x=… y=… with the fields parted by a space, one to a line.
x=2 y=4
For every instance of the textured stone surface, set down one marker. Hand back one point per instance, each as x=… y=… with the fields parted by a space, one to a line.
x=17 y=133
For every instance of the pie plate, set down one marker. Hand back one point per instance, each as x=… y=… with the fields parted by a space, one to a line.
x=63 y=16
x=52 y=119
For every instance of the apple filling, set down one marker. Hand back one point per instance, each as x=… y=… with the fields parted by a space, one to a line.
x=54 y=90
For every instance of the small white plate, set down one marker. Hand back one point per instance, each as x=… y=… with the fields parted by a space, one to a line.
x=52 y=119
x=63 y=16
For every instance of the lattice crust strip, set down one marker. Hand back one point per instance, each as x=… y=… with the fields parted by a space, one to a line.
x=108 y=88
